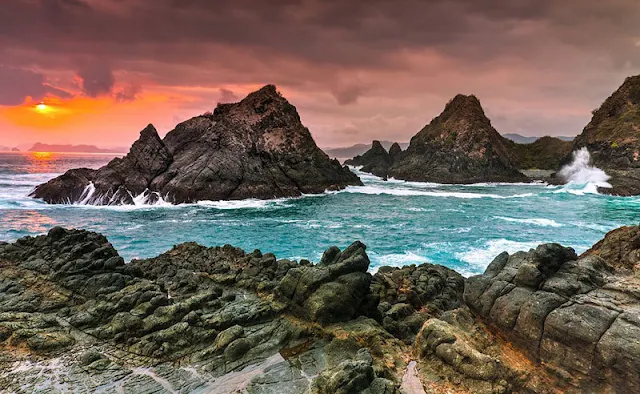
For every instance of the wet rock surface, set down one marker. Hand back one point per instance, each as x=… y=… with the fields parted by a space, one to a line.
x=571 y=313
x=256 y=148
x=75 y=318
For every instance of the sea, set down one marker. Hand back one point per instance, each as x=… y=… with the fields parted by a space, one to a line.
x=459 y=226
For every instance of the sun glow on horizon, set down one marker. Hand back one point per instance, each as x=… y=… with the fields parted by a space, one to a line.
x=41 y=107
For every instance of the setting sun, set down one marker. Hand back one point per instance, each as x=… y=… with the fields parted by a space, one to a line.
x=41 y=107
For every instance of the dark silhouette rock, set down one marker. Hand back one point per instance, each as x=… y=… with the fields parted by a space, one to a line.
x=376 y=160
x=256 y=148
x=458 y=146
x=395 y=150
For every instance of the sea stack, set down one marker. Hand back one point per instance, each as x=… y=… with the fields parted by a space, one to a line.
x=256 y=148
x=613 y=138
x=376 y=160
x=458 y=146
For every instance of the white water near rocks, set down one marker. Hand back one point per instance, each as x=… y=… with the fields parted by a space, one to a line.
x=461 y=226
x=581 y=172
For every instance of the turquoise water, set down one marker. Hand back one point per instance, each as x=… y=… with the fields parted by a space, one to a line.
x=462 y=227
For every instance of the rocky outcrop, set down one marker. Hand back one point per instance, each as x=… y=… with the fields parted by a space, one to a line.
x=576 y=315
x=458 y=146
x=545 y=153
x=256 y=148
x=199 y=319
x=613 y=138
x=376 y=160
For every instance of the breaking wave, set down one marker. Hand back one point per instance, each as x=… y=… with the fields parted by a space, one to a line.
x=581 y=176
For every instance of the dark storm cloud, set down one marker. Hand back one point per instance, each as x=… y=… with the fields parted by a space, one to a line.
x=17 y=84
x=347 y=32
x=375 y=69
x=96 y=79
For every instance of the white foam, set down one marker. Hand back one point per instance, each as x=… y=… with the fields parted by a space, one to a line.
x=535 y=221
x=479 y=258
x=243 y=204
x=377 y=190
x=397 y=260
x=580 y=172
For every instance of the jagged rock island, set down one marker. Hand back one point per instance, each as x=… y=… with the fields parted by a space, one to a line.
x=256 y=148
x=75 y=318
x=613 y=139
x=459 y=146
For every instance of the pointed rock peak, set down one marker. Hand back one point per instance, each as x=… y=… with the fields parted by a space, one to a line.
x=266 y=93
x=464 y=104
x=377 y=146
x=395 y=149
x=149 y=132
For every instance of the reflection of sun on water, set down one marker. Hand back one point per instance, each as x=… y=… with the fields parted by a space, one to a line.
x=41 y=162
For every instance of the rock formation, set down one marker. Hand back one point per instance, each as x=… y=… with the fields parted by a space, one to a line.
x=458 y=146
x=256 y=148
x=545 y=153
x=75 y=318
x=577 y=315
x=613 y=138
x=376 y=160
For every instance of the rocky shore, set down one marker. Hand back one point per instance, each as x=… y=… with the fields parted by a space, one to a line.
x=75 y=318
x=256 y=148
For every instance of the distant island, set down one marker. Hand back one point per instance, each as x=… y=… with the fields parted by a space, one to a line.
x=8 y=149
x=521 y=139
x=40 y=147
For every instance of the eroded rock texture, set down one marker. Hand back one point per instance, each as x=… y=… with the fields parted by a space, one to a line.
x=578 y=316
x=256 y=148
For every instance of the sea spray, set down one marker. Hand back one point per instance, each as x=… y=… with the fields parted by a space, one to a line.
x=581 y=172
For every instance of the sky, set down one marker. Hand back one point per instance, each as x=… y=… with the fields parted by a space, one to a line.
x=356 y=70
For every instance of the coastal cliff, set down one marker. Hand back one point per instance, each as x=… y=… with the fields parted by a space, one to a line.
x=74 y=317
x=256 y=148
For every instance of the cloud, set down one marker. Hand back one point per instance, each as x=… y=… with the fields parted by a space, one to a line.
x=560 y=59
x=18 y=84
x=96 y=79
x=128 y=93
x=227 y=96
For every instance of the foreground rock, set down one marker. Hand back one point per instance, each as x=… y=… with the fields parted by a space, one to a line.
x=75 y=318
x=577 y=315
x=257 y=148
x=613 y=138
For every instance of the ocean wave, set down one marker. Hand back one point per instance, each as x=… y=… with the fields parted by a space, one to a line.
x=396 y=260
x=479 y=258
x=377 y=190
x=536 y=221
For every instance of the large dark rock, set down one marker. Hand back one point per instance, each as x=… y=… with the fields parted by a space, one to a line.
x=571 y=313
x=256 y=148
x=613 y=138
x=458 y=146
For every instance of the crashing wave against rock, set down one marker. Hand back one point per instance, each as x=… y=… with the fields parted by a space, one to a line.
x=256 y=148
